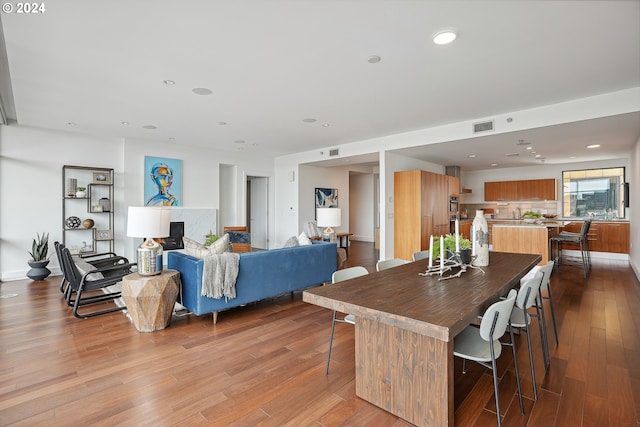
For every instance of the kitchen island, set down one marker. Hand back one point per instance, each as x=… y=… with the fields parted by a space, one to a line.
x=524 y=238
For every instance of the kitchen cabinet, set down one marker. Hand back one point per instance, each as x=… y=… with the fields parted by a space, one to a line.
x=454 y=186
x=465 y=228
x=522 y=239
x=421 y=209
x=524 y=190
x=603 y=236
x=88 y=217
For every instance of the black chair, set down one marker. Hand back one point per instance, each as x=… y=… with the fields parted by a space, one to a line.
x=573 y=238
x=79 y=284
x=99 y=260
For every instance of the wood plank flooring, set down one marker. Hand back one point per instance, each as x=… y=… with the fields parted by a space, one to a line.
x=263 y=364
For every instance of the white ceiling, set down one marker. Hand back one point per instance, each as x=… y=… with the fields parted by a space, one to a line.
x=270 y=64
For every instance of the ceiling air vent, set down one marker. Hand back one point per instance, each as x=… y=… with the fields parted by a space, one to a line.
x=483 y=127
x=334 y=152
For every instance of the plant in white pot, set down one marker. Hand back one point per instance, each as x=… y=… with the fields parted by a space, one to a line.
x=39 y=258
x=81 y=192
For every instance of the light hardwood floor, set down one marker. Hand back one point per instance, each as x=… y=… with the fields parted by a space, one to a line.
x=263 y=364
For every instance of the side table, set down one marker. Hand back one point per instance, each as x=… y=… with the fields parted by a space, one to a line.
x=150 y=299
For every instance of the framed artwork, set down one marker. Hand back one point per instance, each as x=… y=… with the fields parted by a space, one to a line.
x=104 y=234
x=101 y=178
x=162 y=181
x=326 y=198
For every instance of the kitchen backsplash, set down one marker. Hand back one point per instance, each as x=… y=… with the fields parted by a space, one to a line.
x=508 y=210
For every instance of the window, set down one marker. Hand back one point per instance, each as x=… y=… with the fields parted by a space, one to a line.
x=596 y=193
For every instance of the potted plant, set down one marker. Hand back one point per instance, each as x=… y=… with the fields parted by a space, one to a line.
x=39 y=258
x=81 y=192
x=210 y=238
x=450 y=247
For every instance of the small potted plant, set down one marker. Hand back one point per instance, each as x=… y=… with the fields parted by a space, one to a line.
x=39 y=258
x=81 y=192
x=450 y=247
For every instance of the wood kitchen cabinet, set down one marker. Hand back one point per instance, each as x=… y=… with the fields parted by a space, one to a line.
x=454 y=186
x=421 y=209
x=603 y=236
x=524 y=190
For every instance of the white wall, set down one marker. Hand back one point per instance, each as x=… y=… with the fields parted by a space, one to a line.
x=634 y=208
x=31 y=163
x=312 y=177
x=31 y=188
x=361 y=207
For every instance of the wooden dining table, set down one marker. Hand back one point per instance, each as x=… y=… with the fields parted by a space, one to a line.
x=405 y=327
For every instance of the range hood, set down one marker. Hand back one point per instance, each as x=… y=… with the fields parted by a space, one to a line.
x=455 y=171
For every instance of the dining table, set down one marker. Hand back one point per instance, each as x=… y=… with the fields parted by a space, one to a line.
x=405 y=327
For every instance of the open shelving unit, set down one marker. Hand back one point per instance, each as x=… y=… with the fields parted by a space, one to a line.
x=97 y=205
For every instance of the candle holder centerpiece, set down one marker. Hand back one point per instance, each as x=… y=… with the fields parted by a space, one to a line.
x=447 y=253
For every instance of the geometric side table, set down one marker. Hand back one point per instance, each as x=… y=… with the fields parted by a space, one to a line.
x=150 y=299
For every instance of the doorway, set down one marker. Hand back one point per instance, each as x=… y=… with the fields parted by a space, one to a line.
x=258 y=211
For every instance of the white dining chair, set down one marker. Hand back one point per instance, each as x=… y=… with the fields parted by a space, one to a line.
x=521 y=318
x=340 y=276
x=384 y=264
x=483 y=345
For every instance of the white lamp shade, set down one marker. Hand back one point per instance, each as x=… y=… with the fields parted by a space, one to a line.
x=329 y=217
x=148 y=222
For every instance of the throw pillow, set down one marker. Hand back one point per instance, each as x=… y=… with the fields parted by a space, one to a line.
x=291 y=242
x=313 y=230
x=198 y=250
x=303 y=239
x=221 y=245
x=84 y=267
x=195 y=249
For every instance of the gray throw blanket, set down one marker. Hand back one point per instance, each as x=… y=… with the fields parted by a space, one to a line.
x=219 y=275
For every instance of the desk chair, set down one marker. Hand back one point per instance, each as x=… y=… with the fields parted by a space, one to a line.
x=483 y=345
x=573 y=238
x=339 y=276
x=389 y=263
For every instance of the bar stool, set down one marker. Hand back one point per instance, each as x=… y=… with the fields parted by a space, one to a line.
x=575 y=238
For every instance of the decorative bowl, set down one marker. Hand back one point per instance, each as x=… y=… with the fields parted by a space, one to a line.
x=530 y=220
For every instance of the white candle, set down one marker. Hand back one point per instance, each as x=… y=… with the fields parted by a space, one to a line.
x=441 y=252
x=431 y=251
x=473 y=240
x=457 y=236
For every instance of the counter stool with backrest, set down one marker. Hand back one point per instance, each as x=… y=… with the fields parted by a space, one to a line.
x=573 y=238
x=340 y=276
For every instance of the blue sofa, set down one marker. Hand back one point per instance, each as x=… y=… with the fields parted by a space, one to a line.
x=261 y=275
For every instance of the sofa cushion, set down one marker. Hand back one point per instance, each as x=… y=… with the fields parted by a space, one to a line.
x=198 y=250
x=303 y=239
x=291 y=242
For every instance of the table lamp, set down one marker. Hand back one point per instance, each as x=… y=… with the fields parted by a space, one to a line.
x=329 y=217
x=148 y=222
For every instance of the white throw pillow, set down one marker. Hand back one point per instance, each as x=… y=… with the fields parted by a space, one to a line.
x=303 y=239
x=198 y=250
x=291 y=242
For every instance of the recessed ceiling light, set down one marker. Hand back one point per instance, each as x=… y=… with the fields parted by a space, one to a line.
x=573 y=157
x=124 y=123
x=444 y=37
x=593 y=146
x=494 y=164
x=374 y=59
x=222 y=123
x=325 y=125
x=472 y=156
x=149 y=127
x=72 y=124
x=201 y=91
x=529 y=148
x=169 y=82
x=512 y=154
x=309 y=120
x=538 y=156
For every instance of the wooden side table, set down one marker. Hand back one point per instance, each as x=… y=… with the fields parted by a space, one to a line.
x=150 y=299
